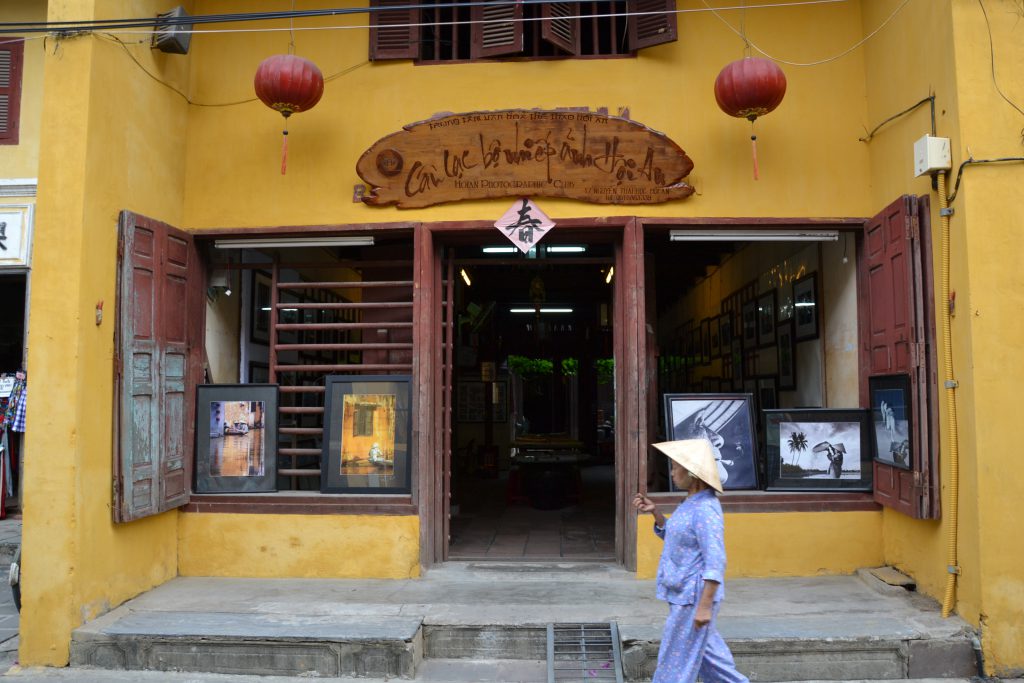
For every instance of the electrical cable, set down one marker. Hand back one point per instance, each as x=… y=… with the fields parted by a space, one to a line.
x=973 y=161
x=930 y=98
x=992 y=61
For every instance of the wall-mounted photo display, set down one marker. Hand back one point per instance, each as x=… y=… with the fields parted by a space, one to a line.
x=705 y=341
x=786 y=348
x=822 y=449
x=784 y=301
x=716 y=339
x=259 y=373
x=890 y=419
x=725 y=332
x=737 y=364
x=367 y=446
x=727 y=421
x=750 y=324
x=236 y=438
x=805 y=307
x=259 y=316
x=471 y=399
x=766 y=319
x=767 y=393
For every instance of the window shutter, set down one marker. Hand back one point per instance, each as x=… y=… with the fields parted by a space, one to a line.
x=12 y=51
x=393 y=33
x=899 y=333
x=651 y=22
x=159 y=346
x=560 y=25
x=497 y=29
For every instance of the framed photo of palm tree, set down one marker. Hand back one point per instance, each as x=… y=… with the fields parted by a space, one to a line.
x=821 y=449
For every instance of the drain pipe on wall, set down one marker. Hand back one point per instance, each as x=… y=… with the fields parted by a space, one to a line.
x=952 y=569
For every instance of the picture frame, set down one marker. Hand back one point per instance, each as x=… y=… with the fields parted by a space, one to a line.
x=236 y=438
x=725 y=332
x=367 y=443
x=705 y=341
x=891 y=427
x=737 y=364
x=767 y=393
x=727 y=421
x=259 y=373
x=766 y=319
x=749 y=324
x=259 y=318
x=786 y=349
x=805 y=308
x=470 y=403
x=716 y=340
x=820 y=449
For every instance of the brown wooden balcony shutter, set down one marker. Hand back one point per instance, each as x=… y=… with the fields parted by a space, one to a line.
x=561 y=25
x=497 y=29
x=11 y=58
x=899 y=340
x=159 y=344
x=393 y=33
x=651 y=22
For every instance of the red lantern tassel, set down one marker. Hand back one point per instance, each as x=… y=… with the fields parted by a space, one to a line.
x=753 y=144
x=284 y=151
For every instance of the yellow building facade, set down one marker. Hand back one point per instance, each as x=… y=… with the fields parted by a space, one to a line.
x=112 y=125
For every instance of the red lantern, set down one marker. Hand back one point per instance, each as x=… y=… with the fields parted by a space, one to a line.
x=749 y=88
x=288 y=84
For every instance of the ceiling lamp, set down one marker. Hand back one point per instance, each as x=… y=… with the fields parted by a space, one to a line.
x=748 y=88
x=288 y=84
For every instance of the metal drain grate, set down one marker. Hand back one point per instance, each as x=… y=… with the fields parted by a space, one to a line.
x=584 y=652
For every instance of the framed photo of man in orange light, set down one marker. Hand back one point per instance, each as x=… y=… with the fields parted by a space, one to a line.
x=368 y=434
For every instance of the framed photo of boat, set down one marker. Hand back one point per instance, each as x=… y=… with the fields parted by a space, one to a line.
x=821 y=449
x=236 y=438
x=367 y=446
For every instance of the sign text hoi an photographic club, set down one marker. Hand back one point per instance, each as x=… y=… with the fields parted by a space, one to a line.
x=525 y=152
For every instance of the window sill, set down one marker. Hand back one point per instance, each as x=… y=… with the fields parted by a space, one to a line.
x=301 y=503
x=776 y=501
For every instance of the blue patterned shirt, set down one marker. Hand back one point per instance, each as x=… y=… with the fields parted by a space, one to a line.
x=694 y=550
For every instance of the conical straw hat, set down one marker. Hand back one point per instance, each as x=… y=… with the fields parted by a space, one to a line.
x=696 y=456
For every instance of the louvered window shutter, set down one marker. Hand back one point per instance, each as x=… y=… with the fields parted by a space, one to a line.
x=497 y=29
x=159 y=363
x=561 y=25
x=394 y=33
x=899 y=334
x=11 y=56
x=651 y=22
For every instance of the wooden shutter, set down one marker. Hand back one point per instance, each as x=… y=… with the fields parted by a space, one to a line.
x=651 y=22
x=159 y=351
x=561 y=25
x=12 y=51
x=393 y=32
x=899 y=333
x=497 y=29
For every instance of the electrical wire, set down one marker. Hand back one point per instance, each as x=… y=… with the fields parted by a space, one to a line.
x=971 y=162
x=930 y=98
x=992 y=60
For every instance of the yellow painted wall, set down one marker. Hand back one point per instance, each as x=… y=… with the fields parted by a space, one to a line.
x=784 y=544
x=22 y=160
x=299 y=546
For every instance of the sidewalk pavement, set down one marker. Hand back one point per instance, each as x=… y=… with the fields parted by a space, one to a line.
x=10 y=539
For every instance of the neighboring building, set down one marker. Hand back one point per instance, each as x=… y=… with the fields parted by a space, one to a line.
x=797 y=288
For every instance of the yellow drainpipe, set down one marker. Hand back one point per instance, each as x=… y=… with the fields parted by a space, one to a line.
x=950 y=384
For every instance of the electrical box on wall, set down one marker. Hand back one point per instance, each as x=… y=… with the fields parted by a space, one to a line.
x=931 y=154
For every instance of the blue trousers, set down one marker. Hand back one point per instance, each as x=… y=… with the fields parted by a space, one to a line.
x=687 y=651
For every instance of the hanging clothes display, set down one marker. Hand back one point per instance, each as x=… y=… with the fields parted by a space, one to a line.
x=12 y=419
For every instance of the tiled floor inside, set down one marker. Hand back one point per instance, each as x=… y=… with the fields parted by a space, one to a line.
x=492 y=524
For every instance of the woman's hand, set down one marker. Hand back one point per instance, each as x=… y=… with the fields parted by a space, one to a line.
x=702 y=616
x=643 y=504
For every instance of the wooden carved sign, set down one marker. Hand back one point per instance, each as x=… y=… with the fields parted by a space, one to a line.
x=525 y=153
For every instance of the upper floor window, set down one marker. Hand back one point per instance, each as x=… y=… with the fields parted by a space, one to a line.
x=12 y=52
x=447 y=30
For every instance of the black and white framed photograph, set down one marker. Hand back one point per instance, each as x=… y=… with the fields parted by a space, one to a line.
x=367 y=445
x=236 y=438
x=716 y=339
x=705 y=341
x=259 y=373
x=737 y=364
x=805 y=307
x=725 y=332
x=784 y=301
x=727 y=421
x=823 y=449
x=890 y=419
x=786 y=349
x=767 y=393
x=766 y=319
x=259 y=316
x=749 y=317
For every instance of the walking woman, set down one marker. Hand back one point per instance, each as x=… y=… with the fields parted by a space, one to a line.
x=692 y=570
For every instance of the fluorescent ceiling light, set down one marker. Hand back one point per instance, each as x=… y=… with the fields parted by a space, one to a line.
x=566 y=249
x=754 y=235
x=543 y=310
x=611 y=274
x=293 y=242
x=499 y=250
x=465 y=277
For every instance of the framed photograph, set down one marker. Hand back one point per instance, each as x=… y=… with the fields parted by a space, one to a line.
x=259 y=373
x=737 y=364
x=821 y=449
x=367 y=446
x=786 y=348
x=890 y=419
x=705 y=341
x=725 y=332
x=236 y=438
x=716 y=339
x=766 y=319
x=767 y=393
x=784 y=301
x=749 y=317
x=727 y=421
x=259 y=317
x=470 y=402
x=805 y=307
